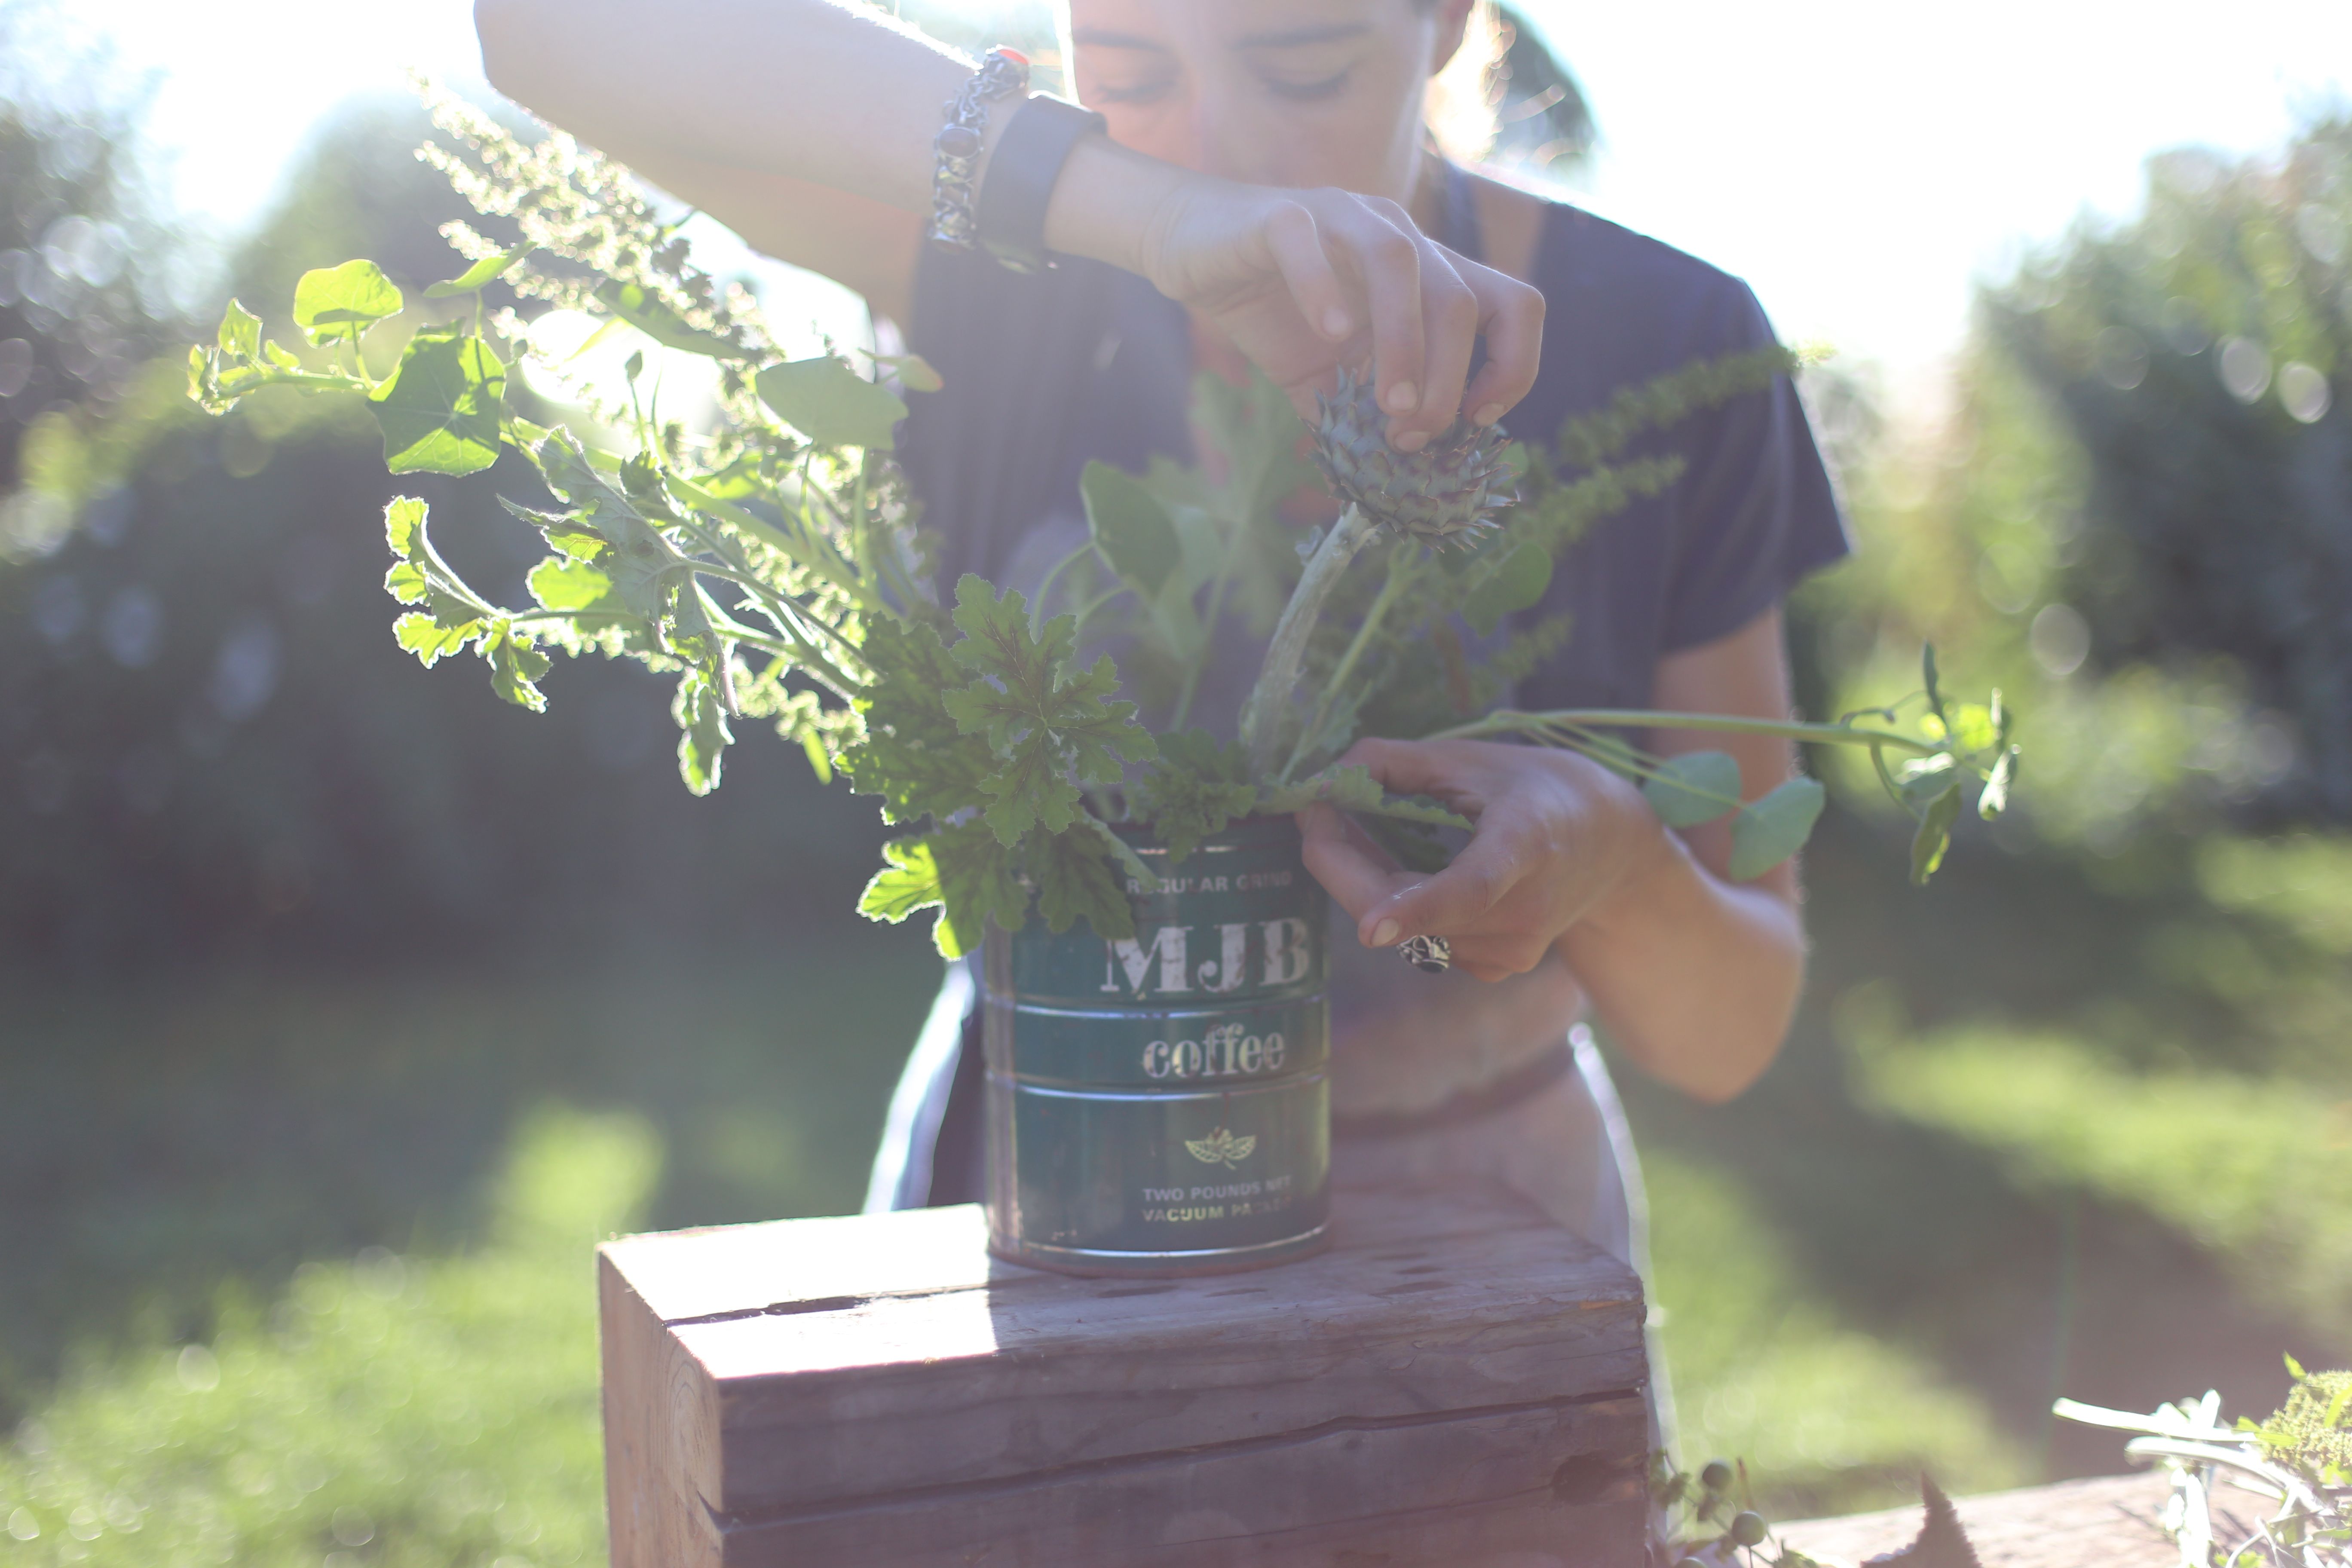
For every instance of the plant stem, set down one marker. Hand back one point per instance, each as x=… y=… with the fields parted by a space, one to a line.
x=1389 y=591
x=1261 y=715
x=1511 y=722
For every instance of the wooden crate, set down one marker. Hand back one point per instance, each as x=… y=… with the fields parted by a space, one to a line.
x=1457 y=1380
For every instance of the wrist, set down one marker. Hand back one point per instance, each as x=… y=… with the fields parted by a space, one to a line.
x=1654 y=858
x=1111 y=202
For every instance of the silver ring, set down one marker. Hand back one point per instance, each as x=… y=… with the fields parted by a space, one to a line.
x=1430 y=955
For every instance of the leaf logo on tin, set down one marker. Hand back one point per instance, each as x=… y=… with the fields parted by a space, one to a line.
x=1221 y=1148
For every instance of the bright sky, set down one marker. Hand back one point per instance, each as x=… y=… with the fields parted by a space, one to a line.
x=1859 y=162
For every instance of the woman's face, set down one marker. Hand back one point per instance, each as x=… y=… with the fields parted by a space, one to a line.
x=1273 y=92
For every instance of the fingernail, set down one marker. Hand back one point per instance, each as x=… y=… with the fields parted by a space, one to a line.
x=1335 y=322
x=1410 y=441
x=1404 y=397
x=1487 y=414
x=1384 y=934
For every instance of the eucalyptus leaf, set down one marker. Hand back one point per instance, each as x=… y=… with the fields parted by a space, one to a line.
x=1129 y=526
x=441 y=409
x=1768 y=831
x=335 y=302
x=1691 y=788
x=831 y=404
x=1518 y=582
x=480 y=276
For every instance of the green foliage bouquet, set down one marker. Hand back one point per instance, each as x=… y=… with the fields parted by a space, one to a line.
x=770 y=557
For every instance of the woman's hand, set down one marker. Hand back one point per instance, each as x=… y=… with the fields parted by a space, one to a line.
x=1304 y=281
x=1557 y=837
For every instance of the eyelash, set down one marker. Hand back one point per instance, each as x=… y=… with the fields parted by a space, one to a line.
x=1309 y=91
x=1295 y=91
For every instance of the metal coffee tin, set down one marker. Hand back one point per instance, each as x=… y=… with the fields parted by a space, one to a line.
x=1160 y=1105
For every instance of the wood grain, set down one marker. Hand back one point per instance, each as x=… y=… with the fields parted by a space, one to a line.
x=1457 y=1373
x=2106 y=1521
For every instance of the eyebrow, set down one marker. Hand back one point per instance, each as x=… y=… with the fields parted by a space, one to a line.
x=1290 y=39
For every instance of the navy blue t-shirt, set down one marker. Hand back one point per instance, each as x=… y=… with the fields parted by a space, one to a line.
x=1044 y=371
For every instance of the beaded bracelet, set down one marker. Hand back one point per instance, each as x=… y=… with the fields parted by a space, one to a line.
x=1004 y=74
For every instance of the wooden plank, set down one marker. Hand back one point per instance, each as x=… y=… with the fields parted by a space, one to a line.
x=661 y=1432
x=1457 y=1378
x=929 y=1388
x=1542 y=1486
x=2105 y=1521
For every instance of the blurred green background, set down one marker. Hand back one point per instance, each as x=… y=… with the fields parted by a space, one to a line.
x=343 y=1008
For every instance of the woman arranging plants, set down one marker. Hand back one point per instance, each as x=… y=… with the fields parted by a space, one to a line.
x=1266 y=196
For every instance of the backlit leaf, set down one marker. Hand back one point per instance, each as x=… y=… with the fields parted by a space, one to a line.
x=480 y=275
x=1074 y=878
x=335 y=302
x=441 y=411
x=703 y=735
x=643 y=311
x=831 y=404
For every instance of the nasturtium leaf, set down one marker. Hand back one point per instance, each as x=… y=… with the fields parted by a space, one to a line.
x=1768 y=831
x=703 y=735
x=1074 y=878
x=1693 y=787
x=240 y=331
x=915 y=373
x=643 y=311
x=558 y=583
x=1934 y=834
x=908 y=881
x=831 y=404
x=1129 y=526
x=480 y=275
x=441 y=411
x=1994 y=798
x=335 y=302
x=1518 y=582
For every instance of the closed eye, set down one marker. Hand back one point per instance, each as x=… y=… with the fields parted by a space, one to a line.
x=1148 y=92
x=1307 y=91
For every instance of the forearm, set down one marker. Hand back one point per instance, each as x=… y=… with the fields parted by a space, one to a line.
x=1695 y=977
x=842 y=98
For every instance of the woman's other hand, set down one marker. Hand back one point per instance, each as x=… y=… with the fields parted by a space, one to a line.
x=1557 y=838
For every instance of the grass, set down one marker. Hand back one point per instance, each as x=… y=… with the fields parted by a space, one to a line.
x=387 y=1410
x=1831 y=1419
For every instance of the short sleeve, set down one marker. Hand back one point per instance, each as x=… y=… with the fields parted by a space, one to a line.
x=1755 y=513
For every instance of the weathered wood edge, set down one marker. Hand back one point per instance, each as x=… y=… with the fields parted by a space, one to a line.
x=661 y=1433
x=1503 y=1480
